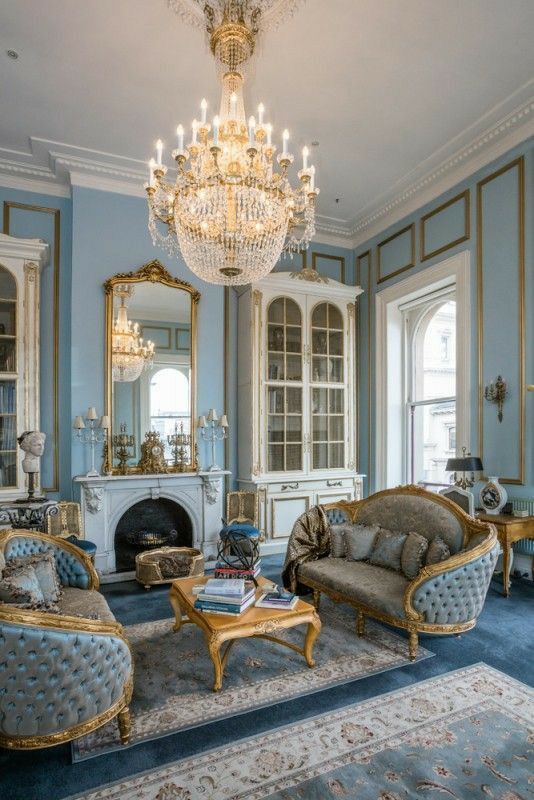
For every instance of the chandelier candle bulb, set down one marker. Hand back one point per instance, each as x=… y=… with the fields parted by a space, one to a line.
x=312 y=178
x=195 y=129
x=215 y=131
x=305 y=154
x=159 y=152
x=269 y=129
x=285 y=137
x=151 y=178
x=261 y=111
x=180 y=134
x=252 y=131
x=203 y=109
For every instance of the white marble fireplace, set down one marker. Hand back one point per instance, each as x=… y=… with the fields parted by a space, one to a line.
x=106 y=498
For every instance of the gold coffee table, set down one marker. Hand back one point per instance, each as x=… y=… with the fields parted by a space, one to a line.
x=260 y=623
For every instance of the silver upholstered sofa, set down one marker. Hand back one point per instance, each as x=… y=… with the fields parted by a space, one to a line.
x=443 y=598
x=61 y=675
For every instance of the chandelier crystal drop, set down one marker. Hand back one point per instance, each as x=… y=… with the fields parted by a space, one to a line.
x=231 y=210
x=130 y=354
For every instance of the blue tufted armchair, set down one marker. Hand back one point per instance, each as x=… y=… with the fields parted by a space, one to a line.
x=61 y=675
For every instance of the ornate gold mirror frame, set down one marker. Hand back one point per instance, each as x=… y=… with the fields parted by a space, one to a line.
x=152 y=272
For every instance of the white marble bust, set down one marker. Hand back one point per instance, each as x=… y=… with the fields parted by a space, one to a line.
x=32 y=443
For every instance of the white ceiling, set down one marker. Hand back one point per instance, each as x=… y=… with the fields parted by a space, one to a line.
x=391 y=89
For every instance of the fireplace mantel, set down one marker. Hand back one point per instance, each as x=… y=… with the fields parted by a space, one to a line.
x=104 y=499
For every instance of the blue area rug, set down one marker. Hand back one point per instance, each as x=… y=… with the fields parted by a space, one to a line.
x=174 y=674
x=464 y=735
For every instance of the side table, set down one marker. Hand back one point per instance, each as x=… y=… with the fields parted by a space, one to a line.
x=31 y=515
x=510 y=529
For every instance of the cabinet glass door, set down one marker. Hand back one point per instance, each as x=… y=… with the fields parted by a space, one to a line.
x=327 y=389
x=284 y=398
x=8 y=382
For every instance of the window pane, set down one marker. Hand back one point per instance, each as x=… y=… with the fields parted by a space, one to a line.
x=276 y=311
x=431 y=440
x=435 y=353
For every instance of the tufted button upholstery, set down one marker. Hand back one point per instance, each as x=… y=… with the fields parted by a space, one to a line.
x=51 y=680
x=336 y=516
x=71 y=570
x=457 y=595
x=401 y=512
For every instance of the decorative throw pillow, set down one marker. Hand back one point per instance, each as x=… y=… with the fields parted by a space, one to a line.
x=21 y=587
x=387 y=549
x=44 y=567
x=413 y=554
x=438 y=550
x=337 y=540
x=359 y=541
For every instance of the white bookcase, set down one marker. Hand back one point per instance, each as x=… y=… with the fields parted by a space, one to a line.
x=296 y=397
x=21 y=261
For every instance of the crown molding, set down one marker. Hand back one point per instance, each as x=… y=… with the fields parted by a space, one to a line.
x=455 y=162
x=54 y=168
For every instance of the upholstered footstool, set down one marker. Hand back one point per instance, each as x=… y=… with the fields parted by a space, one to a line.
x=165 y=564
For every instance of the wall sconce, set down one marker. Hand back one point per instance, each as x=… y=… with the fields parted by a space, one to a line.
x=496 y=393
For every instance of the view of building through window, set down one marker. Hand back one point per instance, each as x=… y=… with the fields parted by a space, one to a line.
x=169 y=401
x=432 y=407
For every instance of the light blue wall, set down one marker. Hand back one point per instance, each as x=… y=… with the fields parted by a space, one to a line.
x=500 y=351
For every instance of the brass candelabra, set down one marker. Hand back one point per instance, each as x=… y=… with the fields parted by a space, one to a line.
x=179 y=443
x=123 y=443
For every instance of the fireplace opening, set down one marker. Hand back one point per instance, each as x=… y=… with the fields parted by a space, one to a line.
x=147 y=525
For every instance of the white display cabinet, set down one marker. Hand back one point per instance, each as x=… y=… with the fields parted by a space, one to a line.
x=296 y=396
x=21 y=261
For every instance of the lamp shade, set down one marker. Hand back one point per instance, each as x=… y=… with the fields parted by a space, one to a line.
x=464 y=464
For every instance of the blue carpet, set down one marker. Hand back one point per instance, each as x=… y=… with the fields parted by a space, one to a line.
x=502 y=638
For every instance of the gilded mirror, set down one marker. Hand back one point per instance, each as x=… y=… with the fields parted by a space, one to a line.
x=150 y=371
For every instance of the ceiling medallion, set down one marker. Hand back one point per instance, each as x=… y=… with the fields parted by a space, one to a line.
x=231 y=211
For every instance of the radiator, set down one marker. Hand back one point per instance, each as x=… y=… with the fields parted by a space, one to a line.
x=524 y=546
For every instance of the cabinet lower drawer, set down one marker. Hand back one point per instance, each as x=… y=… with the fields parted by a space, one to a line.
x=284 y=512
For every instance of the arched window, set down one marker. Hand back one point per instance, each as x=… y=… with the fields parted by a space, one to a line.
x=169 y=400
x=431 y=388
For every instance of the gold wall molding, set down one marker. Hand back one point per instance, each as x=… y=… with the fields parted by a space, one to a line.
x=56 y=214
x=466 y=197
x=409 y=228
x=165 y=328
x=330 y=257
x=369 y=256
x=519 y=164
x=226 y=380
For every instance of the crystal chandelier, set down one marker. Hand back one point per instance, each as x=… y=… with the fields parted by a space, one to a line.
x=231 y=209
x=130 y=355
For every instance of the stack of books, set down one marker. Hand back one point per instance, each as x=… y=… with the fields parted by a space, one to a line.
x=233 y=567
x=223 y=596
x=277 y=598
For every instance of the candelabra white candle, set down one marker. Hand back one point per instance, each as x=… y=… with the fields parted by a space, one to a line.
x=180 y=135
x=91 y=434
x=269 y=129
x=252 y=131
x=285 y=137
x=213 y=431
x=195 y=129
x=261 y=111
x=215 y=131
x=203 y=108
x=159 y=152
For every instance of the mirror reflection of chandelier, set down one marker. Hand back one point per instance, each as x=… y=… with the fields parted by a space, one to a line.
x=130 y=354
x=231 y=210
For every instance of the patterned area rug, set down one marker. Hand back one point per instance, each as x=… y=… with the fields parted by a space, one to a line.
x=174 y=675
x=464 y=735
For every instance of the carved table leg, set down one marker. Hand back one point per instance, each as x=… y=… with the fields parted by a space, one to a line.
x=177 y=611
x=215 y=655
x=317 y=599
x=505 y=566
x=360 y=624
x=312 y=632
x=124 y=725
